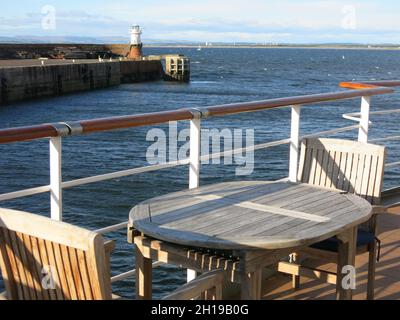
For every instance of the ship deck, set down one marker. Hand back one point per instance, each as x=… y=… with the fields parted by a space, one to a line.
x=387 y=283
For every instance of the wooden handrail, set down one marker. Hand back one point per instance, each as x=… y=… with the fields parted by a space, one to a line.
x=27 y=133
x=290 y=101
x=124 y=122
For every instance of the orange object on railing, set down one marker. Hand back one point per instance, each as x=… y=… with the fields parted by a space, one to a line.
x=369 y=84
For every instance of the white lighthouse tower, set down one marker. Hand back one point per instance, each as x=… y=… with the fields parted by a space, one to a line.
x=135 y=51
x=136 y=34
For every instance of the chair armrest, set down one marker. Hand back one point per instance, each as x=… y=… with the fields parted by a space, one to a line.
x=205 y=282
x=376 y=210
x=109 y=246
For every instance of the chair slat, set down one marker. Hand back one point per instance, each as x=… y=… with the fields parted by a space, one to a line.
x=20 y=266
x=76 y=274
x=46 y=265
x=39 y=266
x=61 y=271
x=302 y=162
x=324 y=165
x=360 y=175
x=372 y=179
x=314 y=156
x=33 y=267
x=335 y=172
x=95 y=288
x=13 y=262
x=7 y=266
x=56 y=272
x=329 y=169
x=85 y=276
x=69 y=272
x=347 y=175
x=26 y=265
x=353 y=173
x=305 y=169
x=342 y=171
x=318 y=167
x=366 y=176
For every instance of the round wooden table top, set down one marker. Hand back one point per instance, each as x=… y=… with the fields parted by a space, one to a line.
x=250 y=215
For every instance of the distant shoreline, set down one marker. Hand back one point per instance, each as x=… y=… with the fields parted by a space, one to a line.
x=316 y=47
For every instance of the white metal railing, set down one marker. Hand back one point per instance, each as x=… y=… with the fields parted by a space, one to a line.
x=57 y=185
x=357 y=117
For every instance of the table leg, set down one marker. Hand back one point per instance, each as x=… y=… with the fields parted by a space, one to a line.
x=251 y=285
x=144 y=274
x=346 y=257
x=251 y=266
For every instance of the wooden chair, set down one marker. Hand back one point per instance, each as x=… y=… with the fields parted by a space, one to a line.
x=42 y=259
x=36 y=252
x=353 y=167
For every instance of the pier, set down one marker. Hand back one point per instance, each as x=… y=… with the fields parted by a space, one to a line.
x=29 y=79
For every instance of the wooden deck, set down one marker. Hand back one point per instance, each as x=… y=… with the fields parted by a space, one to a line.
x=387 y=271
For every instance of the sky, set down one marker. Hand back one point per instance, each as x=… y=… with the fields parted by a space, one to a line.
x=261 y=21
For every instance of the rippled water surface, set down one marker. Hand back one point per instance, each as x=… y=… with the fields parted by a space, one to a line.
x=219 y=76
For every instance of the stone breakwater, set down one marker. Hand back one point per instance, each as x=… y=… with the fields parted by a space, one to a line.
x=29 y=79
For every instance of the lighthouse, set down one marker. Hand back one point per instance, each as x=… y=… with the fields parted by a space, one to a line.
x=135 y=51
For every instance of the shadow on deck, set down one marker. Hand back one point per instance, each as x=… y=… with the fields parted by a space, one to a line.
x=387 y=284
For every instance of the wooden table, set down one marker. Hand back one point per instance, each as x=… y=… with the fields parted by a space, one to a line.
x=258 y=220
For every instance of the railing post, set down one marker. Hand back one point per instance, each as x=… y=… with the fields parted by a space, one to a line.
x=56 y=178
x=364 y=119
x=294 y=143
x=195 y=149
x=194 y=169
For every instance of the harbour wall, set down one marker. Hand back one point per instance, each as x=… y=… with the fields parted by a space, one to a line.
x=25 y=81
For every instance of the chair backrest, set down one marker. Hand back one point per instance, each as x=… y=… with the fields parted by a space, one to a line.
x=42 y=259
x=351 y=166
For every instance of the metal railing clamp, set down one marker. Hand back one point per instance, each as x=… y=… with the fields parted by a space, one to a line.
x=75 y=128
x=61 y=128
x=200 y=113
x=65 y=129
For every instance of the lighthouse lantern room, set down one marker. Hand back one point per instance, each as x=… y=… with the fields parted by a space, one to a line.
x=136 y=33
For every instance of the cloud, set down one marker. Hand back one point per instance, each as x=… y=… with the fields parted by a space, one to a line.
x=72 y=23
